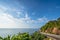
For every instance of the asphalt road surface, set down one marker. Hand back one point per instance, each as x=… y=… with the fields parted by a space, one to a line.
x=57 y=37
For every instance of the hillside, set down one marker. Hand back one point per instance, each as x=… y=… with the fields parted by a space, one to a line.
x=52 y=26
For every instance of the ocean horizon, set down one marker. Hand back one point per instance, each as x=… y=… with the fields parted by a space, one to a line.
x=11 y=31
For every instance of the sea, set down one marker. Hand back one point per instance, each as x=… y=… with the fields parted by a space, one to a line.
x=11 y=31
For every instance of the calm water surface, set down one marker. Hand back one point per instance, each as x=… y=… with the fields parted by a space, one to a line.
x=8 y=31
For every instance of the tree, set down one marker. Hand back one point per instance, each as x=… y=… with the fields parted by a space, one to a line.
x=7 y=38
x=37 y=36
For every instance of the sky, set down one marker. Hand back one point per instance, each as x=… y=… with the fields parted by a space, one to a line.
x=28 y=13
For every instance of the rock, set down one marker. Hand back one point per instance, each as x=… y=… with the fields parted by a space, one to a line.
x=55 y=30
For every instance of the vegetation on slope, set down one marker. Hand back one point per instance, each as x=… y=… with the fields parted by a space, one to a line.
x=52 y=26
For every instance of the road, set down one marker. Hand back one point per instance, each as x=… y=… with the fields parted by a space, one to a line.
x=57 y=37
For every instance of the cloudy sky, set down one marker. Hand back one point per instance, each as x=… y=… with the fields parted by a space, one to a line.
x=27 y=13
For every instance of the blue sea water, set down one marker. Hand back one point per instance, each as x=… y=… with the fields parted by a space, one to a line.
x=11 y=31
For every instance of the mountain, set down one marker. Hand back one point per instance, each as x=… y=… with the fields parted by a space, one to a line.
x=52 y=26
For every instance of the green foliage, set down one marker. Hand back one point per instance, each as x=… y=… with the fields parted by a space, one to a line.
x=1 y=38
x=21 y=36
x=50 y=25
x=37 y=36
x=7 y=38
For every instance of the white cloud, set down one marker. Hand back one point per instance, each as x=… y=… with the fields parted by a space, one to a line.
x=8 y=21
x=43 y=19
x=18 y=14
x=5 y=8
x=5 y=21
